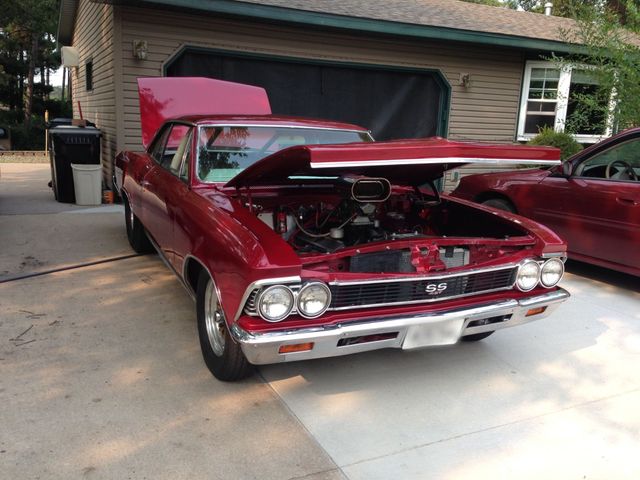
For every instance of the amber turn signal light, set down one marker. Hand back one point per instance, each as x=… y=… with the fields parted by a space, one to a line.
x=296 y=347
x=535 y=311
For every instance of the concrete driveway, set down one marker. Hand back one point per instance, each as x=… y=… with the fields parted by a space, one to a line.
x=101 y=377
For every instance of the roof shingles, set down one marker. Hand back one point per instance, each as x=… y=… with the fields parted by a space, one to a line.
x=451 y=14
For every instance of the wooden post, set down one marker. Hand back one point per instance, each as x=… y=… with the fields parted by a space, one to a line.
x=64 y=81
x=46 y=132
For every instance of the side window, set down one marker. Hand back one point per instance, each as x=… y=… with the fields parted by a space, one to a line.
x=621 y=162
x=157 y=147
x=186 y=160
x=175 y=148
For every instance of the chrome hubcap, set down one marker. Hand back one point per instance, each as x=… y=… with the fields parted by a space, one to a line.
x=214 y=320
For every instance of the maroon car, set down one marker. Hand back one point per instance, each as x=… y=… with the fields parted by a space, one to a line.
x=592 y=201
x=303 y=239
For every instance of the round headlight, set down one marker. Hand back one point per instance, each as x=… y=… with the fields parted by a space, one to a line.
x=313 y=299
x=275 y=303
x=552 y=272
x=528 y=275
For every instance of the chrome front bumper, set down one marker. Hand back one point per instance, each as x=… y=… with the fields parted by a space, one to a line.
x=406 y=332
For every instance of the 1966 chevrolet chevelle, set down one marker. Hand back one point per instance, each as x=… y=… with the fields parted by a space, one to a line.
x=303 y=239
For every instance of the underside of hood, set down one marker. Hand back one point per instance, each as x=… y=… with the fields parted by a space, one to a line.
x=165 y=98
x=402 y=162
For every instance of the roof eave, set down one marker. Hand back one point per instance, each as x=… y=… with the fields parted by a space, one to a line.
x=66 y=21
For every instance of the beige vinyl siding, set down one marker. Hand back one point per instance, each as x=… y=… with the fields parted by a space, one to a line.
x=94 y=38
x=486 y=111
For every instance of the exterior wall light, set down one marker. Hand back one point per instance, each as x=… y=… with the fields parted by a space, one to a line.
x=465 y=80
x=140 y=49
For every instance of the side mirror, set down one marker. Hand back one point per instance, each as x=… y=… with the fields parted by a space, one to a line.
x=567 y=169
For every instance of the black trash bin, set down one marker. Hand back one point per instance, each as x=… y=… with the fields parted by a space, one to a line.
x=70 y=144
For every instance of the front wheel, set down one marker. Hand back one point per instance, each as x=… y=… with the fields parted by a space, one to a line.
x=222 y=355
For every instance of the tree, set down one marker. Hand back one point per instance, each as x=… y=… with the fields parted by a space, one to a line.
x=605 y=40
x=27 y=55
x=26 y=49
x=607 y=50
x=561 y=8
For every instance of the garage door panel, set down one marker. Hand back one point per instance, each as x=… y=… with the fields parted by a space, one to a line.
x=392 y=103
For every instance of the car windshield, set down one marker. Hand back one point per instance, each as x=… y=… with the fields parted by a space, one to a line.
x=224 y=151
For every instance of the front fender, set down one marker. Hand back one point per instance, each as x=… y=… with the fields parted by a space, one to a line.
x=237 y=249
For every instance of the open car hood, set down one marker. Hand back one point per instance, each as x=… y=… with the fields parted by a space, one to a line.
x=165 y=98
x=402 y=162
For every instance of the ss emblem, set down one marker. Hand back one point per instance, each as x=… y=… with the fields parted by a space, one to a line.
x=435 y=288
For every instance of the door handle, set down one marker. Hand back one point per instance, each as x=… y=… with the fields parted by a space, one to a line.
x=627 y=201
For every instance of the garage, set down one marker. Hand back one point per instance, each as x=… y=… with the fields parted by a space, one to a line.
x=392 y=102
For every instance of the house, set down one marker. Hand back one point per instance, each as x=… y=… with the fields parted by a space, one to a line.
x=403 y=68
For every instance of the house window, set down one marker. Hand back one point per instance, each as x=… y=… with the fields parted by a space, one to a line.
x=552 y=97
x=88 y=75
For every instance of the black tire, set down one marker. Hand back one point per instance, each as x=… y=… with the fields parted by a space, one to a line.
x=222 y=355
x=52 y=183
x=476 y=337
x=500 y=204
x=135 y=231
x=55 y=190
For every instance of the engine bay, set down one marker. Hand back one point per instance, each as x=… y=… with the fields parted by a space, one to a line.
x=370 y=226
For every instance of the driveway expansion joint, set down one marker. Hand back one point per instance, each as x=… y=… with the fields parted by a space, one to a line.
x=25 y=276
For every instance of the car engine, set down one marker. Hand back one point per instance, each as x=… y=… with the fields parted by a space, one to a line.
x=373 y=227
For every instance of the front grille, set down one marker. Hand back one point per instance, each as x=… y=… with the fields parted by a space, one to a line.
x=355 y=295
x=250 y=305
x=386 y=261
x=432 y=289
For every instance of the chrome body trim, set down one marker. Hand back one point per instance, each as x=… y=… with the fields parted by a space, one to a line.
x=542 y=271
x=117 y=179
x=561 y=255
x=168 y=264
x=421 y=278
x=188 y=257
x=535 y=262
x=262 y=125
x=261 y=283
x=284 y=125
x=297 y=297
x=432 y=161
x=263 y=348
x=259 y=300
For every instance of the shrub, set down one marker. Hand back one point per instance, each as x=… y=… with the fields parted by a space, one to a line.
x=564 y=141
x=23 y=138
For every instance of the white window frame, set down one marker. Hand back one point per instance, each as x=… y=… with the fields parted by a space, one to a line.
x=564 y=83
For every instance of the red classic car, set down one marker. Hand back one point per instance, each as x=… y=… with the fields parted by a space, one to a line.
x=303 y=239
x=592 y=201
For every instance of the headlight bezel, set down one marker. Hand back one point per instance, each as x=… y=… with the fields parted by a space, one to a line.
x=288 y=311
x=523 y=265
x=545 y=264
x=299 y=295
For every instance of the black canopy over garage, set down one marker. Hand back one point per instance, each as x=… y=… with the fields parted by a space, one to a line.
x=393 y=103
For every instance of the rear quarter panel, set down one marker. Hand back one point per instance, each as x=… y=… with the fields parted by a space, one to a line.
x=130 y=169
